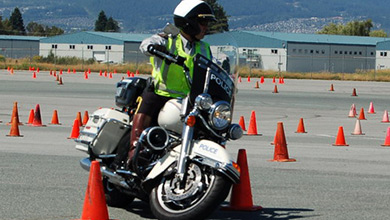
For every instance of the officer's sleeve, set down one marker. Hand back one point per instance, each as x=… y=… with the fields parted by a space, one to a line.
x=155 y=39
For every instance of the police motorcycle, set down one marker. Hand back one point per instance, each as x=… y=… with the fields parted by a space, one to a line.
x=181 y=167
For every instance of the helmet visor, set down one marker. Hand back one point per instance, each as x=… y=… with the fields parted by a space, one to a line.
x=206 y=17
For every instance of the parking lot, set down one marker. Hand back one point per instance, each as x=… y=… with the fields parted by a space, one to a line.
x=41 y=177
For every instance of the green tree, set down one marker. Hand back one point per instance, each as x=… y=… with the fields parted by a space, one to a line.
x=101 y=22
x=112 y=25
x=353 y=28
x=378 y=33
x=17 y=22
x=221 y=25
x=53 y=31
x=7 y=27
x=35 y=29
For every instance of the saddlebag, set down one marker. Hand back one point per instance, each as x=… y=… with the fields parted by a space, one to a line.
x=103 y=131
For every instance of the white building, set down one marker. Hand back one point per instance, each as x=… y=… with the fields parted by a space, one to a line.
x=101 y=46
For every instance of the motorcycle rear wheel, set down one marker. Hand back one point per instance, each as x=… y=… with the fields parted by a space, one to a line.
x=204 y=191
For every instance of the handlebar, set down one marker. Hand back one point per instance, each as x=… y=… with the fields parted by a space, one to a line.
x=171 y=58
x=168 y=57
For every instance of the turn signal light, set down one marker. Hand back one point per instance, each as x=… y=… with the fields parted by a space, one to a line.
x=191 y=120
x=235 y=165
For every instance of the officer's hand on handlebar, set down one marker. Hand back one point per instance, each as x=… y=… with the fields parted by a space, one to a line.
x=162 y=52
x=157 y=47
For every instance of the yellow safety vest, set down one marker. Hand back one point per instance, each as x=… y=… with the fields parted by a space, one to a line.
x=170 y=81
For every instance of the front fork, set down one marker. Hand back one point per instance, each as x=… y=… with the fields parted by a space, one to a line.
x=187 y=135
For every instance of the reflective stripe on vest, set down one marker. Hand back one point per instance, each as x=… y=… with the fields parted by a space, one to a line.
x=170 y=79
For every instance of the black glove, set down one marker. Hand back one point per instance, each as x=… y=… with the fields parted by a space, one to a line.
x=157 y=47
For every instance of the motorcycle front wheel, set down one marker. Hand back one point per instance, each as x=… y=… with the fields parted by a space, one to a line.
x=202 y=192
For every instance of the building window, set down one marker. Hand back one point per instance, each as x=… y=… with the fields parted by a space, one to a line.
x=294 y=50
x=383 y=54
x=317 y=51
x=54 y=46
x=108 y=47
x=274 y=51
x=306 y=50
x=90 y=47
x=360 y=52
x=372 y=53
x=72 y=47
x=311 y=51
x=335 y=52
x=355 y=53
x=323 y=51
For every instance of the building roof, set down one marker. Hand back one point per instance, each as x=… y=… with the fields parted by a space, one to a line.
x=18 y=37
x=244 y=39
x=91 y=37
x=321 y=38
x=384 y=45
x=279 y=39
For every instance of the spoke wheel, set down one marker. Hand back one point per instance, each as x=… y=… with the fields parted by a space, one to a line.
x=196 y=197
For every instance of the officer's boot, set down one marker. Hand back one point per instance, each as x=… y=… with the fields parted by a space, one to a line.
x=140 y=122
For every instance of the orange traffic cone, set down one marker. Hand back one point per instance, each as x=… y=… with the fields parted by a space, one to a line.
x=281 y=152
x=85 y=118
x=387 y=139
x=340 y=140
x=241 y=195
x=37 y=122
x=34 y=76
x=14 y=132
x=249 y=79
x=137 y=72
x=110 y=75
x=60 y=81
x=371 y=109
x=275 y=89
x=262 y=79
x=301 y=127
x=31 y=117
x=276 y=134
x=75 y=130
x=273 y=80
x=242 y=123
x=361 y=115
x=128 y=73
x=15 y=114
x=331 y=88
x=352 y=111
x=239 y=79
x=385 y=118
x=354 y=92
x=257 y=85
x=358 y=128
x=252 y=130
x=95 y=206
x=54 y=119
x=79 y=118
x=57 y=78
x=85 y=75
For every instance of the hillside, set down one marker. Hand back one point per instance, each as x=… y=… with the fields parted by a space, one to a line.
x=304 y=16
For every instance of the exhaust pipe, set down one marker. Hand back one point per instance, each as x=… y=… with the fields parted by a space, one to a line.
x=113 y=177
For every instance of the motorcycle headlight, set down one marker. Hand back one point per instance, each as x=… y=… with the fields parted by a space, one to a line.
x=220 y=115
x=204 y=101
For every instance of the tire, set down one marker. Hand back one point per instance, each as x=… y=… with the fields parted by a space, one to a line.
x=198 y=200
x=114 y=197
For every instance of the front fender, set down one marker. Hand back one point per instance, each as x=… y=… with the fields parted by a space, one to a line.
x=204 y=151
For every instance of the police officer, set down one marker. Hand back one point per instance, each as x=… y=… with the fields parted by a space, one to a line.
x=191 y=17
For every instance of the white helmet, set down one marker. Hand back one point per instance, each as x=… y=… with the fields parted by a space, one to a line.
x=189 y=13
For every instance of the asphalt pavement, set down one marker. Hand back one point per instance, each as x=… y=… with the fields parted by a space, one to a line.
x=41 y=177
